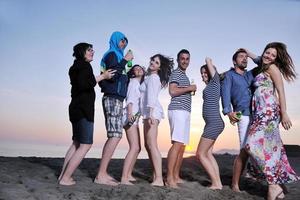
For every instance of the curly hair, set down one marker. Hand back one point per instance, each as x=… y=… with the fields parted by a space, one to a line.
x=283 y=61
x=166 y=67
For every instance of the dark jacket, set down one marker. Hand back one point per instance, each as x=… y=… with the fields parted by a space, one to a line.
x=82 y=92
x=115 y=87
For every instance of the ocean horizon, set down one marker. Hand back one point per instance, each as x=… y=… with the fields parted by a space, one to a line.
x=59 y=151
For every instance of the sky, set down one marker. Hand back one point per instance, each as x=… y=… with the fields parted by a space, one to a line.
x=37 y=38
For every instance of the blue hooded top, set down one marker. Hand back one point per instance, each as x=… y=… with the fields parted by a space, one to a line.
x=114 y=41
x=115 y=87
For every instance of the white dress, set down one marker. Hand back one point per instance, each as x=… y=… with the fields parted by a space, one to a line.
x=150 y=90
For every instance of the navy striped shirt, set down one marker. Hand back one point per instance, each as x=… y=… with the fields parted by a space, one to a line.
x=184 y=101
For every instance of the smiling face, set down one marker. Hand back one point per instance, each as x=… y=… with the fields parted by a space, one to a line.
x=204 y=75
x=183 y=61
x=138 y=71
x=154 y=64
x=89 y=54
x=269 y=56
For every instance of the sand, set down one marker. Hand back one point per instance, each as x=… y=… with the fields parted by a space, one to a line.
x=36 y=178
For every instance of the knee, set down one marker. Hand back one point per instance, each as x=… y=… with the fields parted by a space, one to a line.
x=200 y=156
x=203 y=156
x=136 y=149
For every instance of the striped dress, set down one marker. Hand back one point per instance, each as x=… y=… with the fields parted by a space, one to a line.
x=214 y=124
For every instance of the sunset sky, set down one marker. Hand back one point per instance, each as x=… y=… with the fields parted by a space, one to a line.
x=37 y=37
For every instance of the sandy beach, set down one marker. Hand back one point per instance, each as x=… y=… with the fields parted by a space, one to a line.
x=36 y=178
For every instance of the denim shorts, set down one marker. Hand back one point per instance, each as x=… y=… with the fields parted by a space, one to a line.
x=83 y=131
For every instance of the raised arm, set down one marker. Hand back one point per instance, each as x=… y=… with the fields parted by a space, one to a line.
x=256 y=59
x=276 y=77
x=210 y=66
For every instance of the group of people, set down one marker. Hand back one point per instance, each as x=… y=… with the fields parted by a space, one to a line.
x=253 y=99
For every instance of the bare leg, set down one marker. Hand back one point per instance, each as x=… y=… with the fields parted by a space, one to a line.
x=130 y=159
x=178 y=165
x=214 y=163
x=203 y=151
x=238 y=167
x=151 y=140
x=68 y=156
x=73 y=164
x=130 y=177
x=108 y=150
x=274 y=191
x=172 y=160
x=146 y=129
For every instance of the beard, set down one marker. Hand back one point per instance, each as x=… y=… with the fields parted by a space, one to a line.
x=242 y=65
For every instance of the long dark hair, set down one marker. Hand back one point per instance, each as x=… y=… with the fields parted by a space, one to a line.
x=283 y=61
x=166 y=67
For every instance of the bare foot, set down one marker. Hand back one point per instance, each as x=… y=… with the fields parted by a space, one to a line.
x=131 y=178
x=109 y=177
x=159 y=182
x=126 y=182
x=213 y=187
x=106 y=181
x=274 y=191
x=281 y=196
x=235 y=188
x=67 y=182
x=180 y=181
x=171 y=183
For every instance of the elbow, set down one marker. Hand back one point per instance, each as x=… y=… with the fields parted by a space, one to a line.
x=172 y=94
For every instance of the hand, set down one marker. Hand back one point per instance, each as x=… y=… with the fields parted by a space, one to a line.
x=285 y=121
x=130 y=117
x=128 y=56
x=233 y=118
x=208 y=60
x=108 y=74
x=193 y=88
x=151 y=120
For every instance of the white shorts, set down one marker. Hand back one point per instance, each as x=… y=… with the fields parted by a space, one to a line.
x=243 y=126
x=179 y=121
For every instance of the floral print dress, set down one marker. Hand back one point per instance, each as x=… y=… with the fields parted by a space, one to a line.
x=264 y=144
